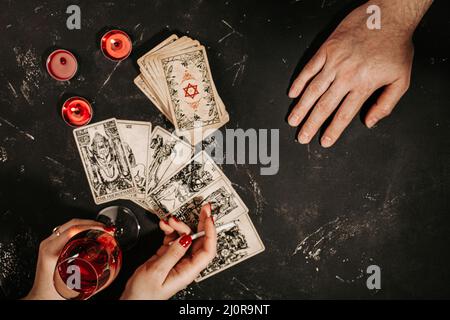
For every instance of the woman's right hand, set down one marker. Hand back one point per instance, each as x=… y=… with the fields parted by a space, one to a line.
x=172 y=268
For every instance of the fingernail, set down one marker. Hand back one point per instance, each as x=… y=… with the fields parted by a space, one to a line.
x=326 y=142
x=371 y=122
x=303 y=138
x=292 y=94
x=209 y=211
x=293 y=120
x=165 y=221
x=175 y=218
x=212 y=219
x=185 y=241
x=110 y=229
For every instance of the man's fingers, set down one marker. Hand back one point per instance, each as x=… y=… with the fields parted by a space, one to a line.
x=346 y=112
x=385 y=103
x=322 y=110
x=315 y=89
x=310 y=70
x=170 y=258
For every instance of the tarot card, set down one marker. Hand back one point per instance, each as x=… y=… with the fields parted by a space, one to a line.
x=234 y=246
x=105 y=161
x=196 y=175
x=225 y=204
x=162 y=44
x=148 y=91
x=166 y=154
x=152 y=73
x=193 y=100
x=136 y=137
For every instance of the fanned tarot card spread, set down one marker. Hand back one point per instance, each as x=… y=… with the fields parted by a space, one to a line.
x=200 y=182
x=157 y=170
x=136 y=137
x=105 y=161
x=166 y=154
x=193 y=177
x=176 y=78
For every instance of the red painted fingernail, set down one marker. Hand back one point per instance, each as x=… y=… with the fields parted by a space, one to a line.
x=110 y=229
x=165 y=221
x=185 y=240
x=212 y=218
x=175 y=218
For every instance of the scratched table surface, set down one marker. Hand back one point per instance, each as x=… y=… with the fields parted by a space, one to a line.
x=378 y=197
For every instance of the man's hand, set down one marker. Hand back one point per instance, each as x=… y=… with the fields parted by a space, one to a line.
x=352 y=64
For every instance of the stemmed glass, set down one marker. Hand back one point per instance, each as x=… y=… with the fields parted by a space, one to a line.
x=91 y=260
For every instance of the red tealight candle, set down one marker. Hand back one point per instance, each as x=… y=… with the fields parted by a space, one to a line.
x=116 y=45
x=77 y=111
x=62 y=65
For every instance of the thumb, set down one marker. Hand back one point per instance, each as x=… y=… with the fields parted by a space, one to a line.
x=385 y=103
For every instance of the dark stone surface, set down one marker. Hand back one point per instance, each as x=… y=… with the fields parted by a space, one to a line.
x=378 y=197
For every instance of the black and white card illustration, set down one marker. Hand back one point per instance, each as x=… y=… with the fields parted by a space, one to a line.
x=234 y=246
x=166 y=154
x=105 y=161
x=136 y=137
x=196 y=175
x=224 y=200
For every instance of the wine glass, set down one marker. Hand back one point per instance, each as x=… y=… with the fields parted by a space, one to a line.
x=91 y=260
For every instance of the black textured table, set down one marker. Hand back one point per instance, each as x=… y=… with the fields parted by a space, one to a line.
x=378 y=197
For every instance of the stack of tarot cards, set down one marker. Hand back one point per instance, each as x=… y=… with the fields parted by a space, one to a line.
x=157 y=170
x=176 y=77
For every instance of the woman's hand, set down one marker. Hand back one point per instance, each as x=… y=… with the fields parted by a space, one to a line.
x=49 y=250
x=172 y=269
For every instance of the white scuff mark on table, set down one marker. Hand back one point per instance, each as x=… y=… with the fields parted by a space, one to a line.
x=246 y=288
x=8 y=26
x=240 y=68
x=60 y=164
x=29 y=62
x=257 y=193
x=26 y=92
x=108 y=78
x=29 y=136
x=13 y=90
x=232 y=32
x=359 y=276
x=36 y=10
x=371 y=197
x=309 y=246
x=3 y=155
